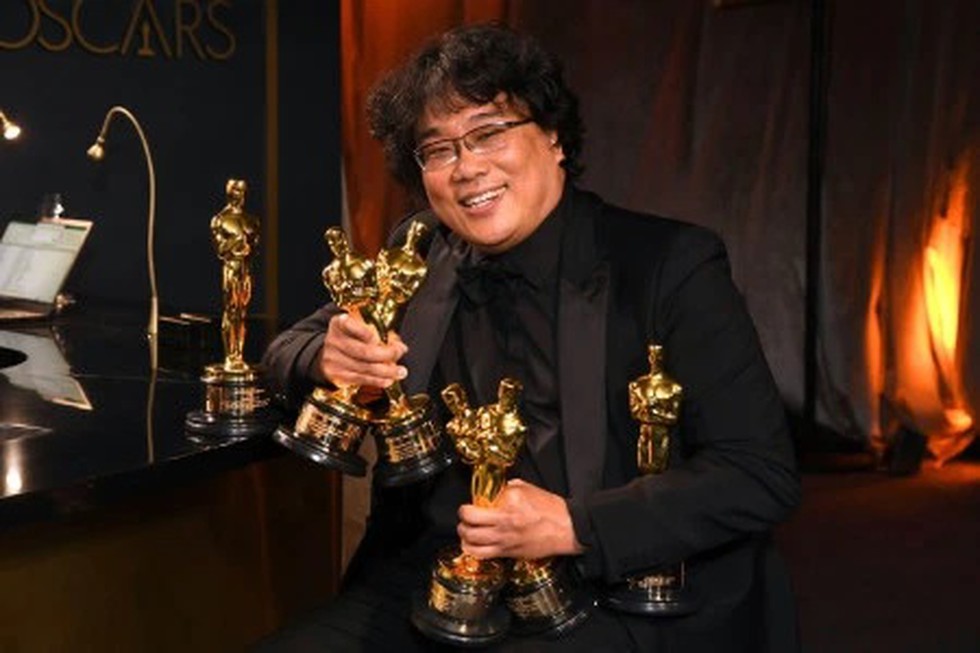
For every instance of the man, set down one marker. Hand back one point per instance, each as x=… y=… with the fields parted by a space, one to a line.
x=532 y=278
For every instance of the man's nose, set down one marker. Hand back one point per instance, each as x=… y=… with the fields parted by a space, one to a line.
x=468 y=165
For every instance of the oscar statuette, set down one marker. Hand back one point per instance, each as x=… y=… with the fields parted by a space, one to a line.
x=409 y=441
x=461 y=606
x=655 y=401
x=331 y=425
x=235 y=405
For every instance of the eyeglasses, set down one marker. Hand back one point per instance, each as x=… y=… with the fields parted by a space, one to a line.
x=482 y=140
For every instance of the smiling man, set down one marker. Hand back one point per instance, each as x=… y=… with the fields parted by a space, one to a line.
x=532 y=278
x=493 y=202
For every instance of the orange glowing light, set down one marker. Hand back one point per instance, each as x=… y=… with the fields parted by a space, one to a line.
x=924 y=379
x=942 y=289
x=959 y=419
x=943 y=264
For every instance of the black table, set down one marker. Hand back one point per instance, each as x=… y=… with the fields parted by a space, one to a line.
x=120 y=532
x=84 y=418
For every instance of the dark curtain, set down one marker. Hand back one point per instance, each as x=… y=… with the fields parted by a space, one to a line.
x=699 y=114
x=900 y=192
x=699 y=110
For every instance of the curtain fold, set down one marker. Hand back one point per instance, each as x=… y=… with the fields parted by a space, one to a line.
x=900 y=198
x=699 y=114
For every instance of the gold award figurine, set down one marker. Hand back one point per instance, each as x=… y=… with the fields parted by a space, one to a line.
x=331 y=426
x=655 y=402
x=234 y=401
x=461 y=607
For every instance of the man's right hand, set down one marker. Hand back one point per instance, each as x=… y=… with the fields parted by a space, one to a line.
x=353 y=354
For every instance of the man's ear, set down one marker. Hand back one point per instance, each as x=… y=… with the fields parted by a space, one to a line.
x=556 y=145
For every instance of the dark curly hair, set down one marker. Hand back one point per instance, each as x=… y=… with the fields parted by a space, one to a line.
x=474 y=63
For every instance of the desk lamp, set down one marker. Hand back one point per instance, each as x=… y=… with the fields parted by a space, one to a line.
x=96 y=153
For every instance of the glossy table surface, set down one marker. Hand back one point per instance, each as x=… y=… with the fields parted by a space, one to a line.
x=84 y=419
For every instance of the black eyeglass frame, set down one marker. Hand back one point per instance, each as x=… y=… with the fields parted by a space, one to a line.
x=504 y=126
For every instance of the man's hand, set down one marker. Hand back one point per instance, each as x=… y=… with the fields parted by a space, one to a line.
x=525 y=522
x=353 y=354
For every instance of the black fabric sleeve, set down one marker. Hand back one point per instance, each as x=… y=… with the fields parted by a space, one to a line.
x=291 y=360
x=588 y=563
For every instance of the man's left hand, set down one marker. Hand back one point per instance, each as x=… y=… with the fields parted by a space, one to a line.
x=525 y=522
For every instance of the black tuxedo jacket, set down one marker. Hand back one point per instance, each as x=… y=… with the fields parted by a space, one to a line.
x=627 y=280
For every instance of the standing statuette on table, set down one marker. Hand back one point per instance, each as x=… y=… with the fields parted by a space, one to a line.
x=235 y=405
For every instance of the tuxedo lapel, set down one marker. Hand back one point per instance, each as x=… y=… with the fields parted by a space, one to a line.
x=583 y=289
x=582 y=374
x=429 y=312
x=582 y=308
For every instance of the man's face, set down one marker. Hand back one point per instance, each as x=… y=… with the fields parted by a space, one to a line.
x=497 y=199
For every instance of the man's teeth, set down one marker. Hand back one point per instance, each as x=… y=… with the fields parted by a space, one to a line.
x=482 y=198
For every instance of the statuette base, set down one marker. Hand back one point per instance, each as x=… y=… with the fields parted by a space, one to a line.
x=544 y=601
x=235 y=406
x=411 y=446
x=662 y=594
x=461 y=607
x=329 y=432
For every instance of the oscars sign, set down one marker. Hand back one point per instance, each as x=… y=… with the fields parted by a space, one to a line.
x=168 y=29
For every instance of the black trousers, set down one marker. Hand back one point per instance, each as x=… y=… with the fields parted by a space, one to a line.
x=365 y=622
x=372 y=614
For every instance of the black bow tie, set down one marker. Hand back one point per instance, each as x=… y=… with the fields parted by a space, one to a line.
x=487 y=281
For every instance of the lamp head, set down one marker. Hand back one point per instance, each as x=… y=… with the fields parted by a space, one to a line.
x=11 y=130
x=97 y=151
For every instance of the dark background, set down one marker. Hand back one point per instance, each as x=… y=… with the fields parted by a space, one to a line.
x=205 y=120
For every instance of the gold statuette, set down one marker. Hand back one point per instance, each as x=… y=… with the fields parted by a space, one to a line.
x=655 y=402
x=331 y=426
x=462 y=607
x=409 y=441
x=234 y=402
